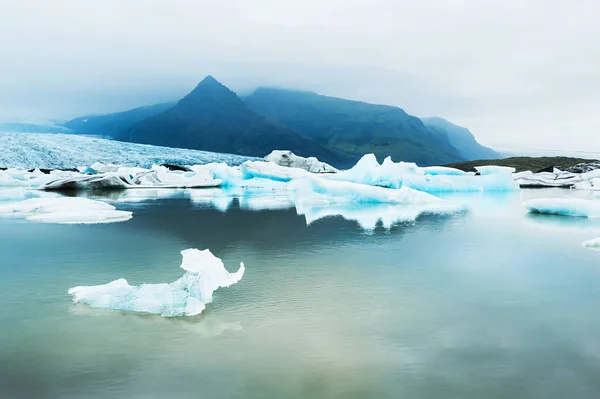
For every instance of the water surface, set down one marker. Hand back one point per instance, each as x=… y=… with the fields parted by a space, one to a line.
x=491 y=303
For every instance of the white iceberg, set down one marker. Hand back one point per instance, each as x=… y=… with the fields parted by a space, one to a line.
x=291 y=160
x=65 y=210
x=565 y=207
x=188 y=296
x=494 y=170
x=595 y=243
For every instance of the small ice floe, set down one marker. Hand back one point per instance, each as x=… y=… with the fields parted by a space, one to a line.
x=565 y=207
x=188 y=296
x=65 y=210
x=594 y=244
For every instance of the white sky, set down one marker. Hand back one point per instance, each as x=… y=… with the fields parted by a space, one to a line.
x=518 y=73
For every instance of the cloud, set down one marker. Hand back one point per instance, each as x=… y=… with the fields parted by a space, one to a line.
x=513 y=71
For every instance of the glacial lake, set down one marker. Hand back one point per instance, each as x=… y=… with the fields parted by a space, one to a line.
x=488 y=303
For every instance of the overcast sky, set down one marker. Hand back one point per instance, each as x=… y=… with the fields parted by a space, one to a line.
x=518 y=73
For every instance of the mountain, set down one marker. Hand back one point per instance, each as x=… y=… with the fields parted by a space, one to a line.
x=461 y=138
x=213 y=118
x=112 y=125
x=355 y=127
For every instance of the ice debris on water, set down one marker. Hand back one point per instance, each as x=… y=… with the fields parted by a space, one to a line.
x=64 y=210
x=594 y=243
x=565 y=206
x=187 y=296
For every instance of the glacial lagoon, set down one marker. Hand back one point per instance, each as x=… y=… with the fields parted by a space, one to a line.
x=491 y=302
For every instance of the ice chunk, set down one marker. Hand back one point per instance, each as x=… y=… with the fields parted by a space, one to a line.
x=494 y=170
x=204 y=274
x=565 y=206
x=64 y=210
x=291 y=160
x=595 y=243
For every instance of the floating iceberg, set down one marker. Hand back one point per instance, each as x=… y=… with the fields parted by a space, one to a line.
x=494 y=170
x=64 y=210
x=595 y=243
x=188 y=296
x=124 y=178
x=291 y=160
x=432 y=180
x=565 y=207
x=547 y=179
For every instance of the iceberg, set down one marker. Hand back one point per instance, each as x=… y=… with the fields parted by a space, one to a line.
x=594 y=244
x=291 y=160
x=565 y=207
x=435 y=179
x=64 y=210
x=494 y=170
x=187 y=296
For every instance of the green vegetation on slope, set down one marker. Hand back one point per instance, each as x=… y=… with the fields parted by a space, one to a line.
x=522 y=164
x=355 y=127
x=461 y=138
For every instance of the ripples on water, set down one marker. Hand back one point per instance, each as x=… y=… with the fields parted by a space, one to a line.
x=488 y=303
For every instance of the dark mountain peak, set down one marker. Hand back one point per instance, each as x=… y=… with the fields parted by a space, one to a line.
x=210 y=94
x=209 y=80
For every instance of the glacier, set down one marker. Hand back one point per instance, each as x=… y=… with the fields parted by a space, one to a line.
x=64 y=210
x=565 y=206
x=67 y=151
x=187 y=296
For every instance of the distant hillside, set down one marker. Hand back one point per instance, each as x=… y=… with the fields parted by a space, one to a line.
x=19 y=127
x=533 y=164
x=461 y=138
x=112 y=125
x=213 y=118
x=355 y=127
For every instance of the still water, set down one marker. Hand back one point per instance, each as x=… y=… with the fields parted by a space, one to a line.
x=489 y=303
